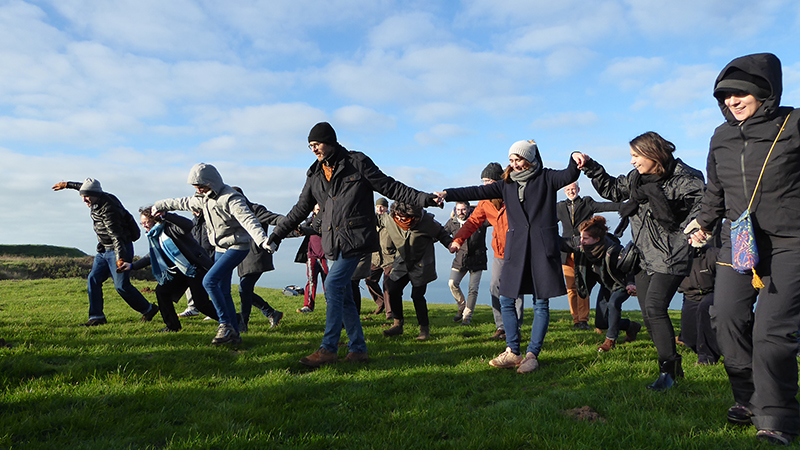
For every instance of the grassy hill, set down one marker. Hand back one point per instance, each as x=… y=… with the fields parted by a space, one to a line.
x=32 y=262
x=40 y=251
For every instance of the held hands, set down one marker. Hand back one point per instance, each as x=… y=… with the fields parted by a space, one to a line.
x=123 y=266
x=271 y=245
x=631 y=290
x=581 y=159
x=59 y=186
x=439 y=197
x=454 y=247
x=697 y=236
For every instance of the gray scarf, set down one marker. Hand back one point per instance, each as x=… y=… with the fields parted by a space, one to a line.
x=522 y=178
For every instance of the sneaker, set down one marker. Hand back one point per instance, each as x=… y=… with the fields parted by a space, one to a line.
x=460 y=315
x=356 y=357
x=168 y=330
x=506 y=360
x=148 y=316
x=226 y=335
x=466 y=322
x=320 y=358
x=577 y=326
x=275 y=319
x=774 y=437
x=607 y=346
x=190 y=311
x=499 y=335
x=633 y=329
x=305 y=310
x=739 y=414
x=529 y=364
x=207 y=318
x=95 y=322
x=242 y=326
x=584 y=326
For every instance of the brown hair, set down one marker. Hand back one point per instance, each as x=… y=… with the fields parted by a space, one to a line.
x=406 y=209
x=147 y=211
x=595 y=227
x=655 y=148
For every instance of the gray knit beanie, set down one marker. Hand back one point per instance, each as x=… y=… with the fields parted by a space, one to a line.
x=525 y=149
x=91 y=187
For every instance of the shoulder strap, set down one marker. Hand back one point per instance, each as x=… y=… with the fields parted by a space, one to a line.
x=752 y=197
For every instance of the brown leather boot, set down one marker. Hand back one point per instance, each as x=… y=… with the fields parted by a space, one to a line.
x=424 y=332
x=396 y=329
x=607 y=346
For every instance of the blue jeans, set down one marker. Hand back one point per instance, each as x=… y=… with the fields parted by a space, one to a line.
x=217 y=283
x=341 y=307
x=541 y=320
x=104 y=266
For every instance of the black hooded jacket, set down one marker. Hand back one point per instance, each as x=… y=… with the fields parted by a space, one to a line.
x=737 y=154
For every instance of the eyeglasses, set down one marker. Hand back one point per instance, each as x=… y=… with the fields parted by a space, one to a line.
x=314 y=145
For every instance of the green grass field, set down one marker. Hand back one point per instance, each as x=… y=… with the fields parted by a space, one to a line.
x=124 y=386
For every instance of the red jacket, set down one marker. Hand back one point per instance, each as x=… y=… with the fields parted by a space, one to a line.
x=496 y=217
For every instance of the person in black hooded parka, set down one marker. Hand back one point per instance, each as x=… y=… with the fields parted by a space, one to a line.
x=759 y=345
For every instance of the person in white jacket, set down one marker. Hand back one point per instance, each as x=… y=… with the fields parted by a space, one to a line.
x=230 y=226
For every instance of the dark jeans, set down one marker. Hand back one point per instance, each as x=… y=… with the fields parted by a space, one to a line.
x=105 y=266
x=654 y=293
x=172 y=290
x=696 y=331
x=248 y=297
x=608 y=312
x=417 y=296
x=760 y=345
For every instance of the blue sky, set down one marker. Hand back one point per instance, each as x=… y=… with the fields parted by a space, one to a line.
x=135 y=92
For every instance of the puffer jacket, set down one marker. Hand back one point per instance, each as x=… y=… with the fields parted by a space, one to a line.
x=229 y=221
x=737 y=153
x=416 y=256
x=112 y=223
x=663 y=251
x=179 y=229
x=346 y=206
x=472 y=254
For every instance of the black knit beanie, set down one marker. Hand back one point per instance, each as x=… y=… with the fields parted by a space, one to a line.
x=493 y=171
x=322 y=132
x=740 y=81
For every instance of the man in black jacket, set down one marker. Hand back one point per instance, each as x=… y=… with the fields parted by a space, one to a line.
x=471 y=257
x=342 y=183
x=116 y=230
x=572 y=212
x=178 y=262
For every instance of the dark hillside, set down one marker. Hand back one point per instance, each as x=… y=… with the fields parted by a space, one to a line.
x=39 y=251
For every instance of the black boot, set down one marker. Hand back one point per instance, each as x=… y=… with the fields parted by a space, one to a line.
x=670 y=372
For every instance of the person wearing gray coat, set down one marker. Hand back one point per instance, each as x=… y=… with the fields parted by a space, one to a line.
x=413 y=232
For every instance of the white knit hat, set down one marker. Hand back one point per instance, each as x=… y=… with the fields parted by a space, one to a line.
x=91 y=187
x=525 y=149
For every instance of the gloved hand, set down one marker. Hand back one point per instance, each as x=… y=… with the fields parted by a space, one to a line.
x=271 y=244
x=697 y=236
x=434 y=200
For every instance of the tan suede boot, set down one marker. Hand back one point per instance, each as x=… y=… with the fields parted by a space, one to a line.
x=396 y=329
x=424 y=333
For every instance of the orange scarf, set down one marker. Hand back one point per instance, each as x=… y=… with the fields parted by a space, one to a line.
x=328 y=170
x=406 y=223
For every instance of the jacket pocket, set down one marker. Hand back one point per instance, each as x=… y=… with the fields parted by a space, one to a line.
x=550 y=241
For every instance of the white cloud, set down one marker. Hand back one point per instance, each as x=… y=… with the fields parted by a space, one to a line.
x=362 y=119
x=686 y=85
x=410 y=29
x=566 y=120
x=632 y=72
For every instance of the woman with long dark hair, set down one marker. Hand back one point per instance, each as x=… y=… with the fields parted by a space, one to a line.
x=661 y=194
